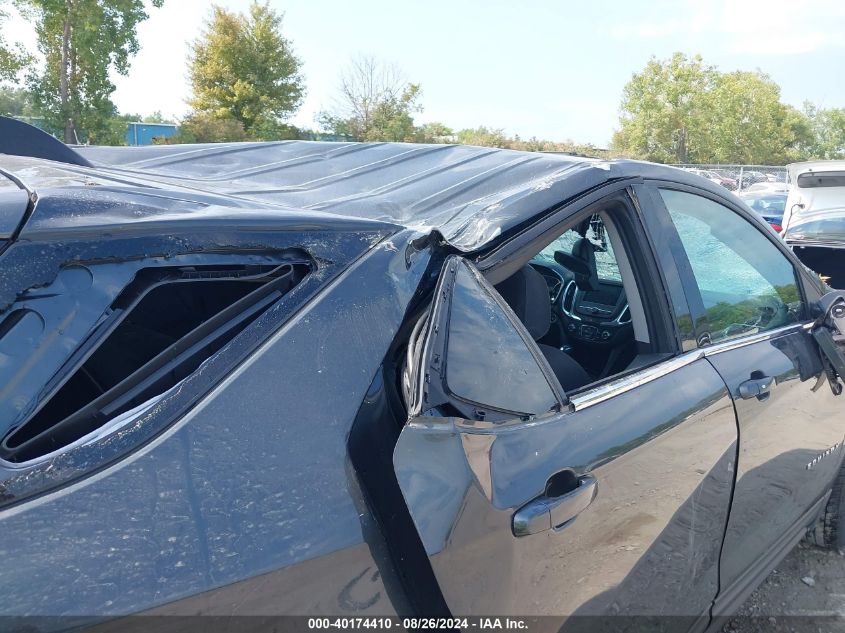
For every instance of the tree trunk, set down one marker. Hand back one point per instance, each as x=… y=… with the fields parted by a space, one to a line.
x=682 y=153
x=64 y=91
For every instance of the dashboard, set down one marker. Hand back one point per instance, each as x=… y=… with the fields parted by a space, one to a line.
x=599 y=317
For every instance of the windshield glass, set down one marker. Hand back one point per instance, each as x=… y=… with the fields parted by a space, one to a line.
x=608 y=269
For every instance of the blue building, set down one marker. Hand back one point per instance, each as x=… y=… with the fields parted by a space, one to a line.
x=144 y=133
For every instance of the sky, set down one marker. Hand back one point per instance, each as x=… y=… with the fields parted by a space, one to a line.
x=551 y=69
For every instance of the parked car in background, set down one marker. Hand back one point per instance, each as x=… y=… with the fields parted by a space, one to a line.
x=814 y=217
x=772 y=187
x=769 y=204
x=714 y=176
x=748 y=178
x=439 y=381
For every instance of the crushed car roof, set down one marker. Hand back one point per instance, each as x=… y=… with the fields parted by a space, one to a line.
x=470 y=195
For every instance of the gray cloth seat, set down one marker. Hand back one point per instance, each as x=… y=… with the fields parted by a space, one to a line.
x=527 y=294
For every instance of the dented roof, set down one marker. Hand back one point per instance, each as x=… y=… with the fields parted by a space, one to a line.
x=468 y=194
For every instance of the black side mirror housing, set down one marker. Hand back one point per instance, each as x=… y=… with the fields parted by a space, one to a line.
x=829 y=332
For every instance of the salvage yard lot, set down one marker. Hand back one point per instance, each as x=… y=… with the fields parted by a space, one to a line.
x=804 y=594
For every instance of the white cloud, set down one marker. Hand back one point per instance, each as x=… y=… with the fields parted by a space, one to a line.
x=758 y=27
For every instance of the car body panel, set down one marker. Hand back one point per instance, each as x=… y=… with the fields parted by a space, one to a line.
x=647 y=545
x=769 y=204
x=780 y=436
x=203 y=505
x=470 y=195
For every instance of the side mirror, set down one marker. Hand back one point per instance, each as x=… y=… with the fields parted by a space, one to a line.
x=829 y=332
x=831 y=311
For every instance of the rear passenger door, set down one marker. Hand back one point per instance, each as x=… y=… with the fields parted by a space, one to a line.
x=609 y=503
x=752 y=324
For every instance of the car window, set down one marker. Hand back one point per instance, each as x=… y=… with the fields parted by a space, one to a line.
x=746 y=284
x=770 y=204
x=487 y=360
x=606 y=264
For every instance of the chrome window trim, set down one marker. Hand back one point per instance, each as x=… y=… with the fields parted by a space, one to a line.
x=735 y=343
x=623 y=384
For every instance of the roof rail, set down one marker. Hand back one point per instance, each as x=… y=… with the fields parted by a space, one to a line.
x=22 y=139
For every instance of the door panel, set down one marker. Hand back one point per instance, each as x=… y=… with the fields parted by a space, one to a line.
x=780 y=437
x=752 y=323
x=662 y=456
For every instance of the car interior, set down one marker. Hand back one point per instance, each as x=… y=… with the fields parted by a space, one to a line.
x=578 y=299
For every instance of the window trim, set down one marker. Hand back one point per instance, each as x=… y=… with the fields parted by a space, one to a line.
x=626 y=382
x=510 y=256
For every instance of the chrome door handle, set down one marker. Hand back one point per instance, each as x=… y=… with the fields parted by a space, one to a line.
x=757 y=388
x=545 y=512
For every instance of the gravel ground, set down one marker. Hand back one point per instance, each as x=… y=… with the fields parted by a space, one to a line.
x=805 y=594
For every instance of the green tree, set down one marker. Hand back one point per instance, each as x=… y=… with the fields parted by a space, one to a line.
x=82 y=41
x=374 y=103
x=242 y=68
x=203 y=127
x=155 y=117
x=434 y=132
x=682 y=110
x=16 y=102
x=14 y=58
x=747 y=123
x=483 y=136
x=663 y=110
x=828 y=130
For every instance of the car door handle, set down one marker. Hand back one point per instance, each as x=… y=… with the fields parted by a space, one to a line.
x=757 y=388
x=547 y=512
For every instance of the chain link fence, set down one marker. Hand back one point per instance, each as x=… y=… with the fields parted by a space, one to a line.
x=738 y=178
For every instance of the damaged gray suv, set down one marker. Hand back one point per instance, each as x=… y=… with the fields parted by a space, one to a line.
x=340 y=379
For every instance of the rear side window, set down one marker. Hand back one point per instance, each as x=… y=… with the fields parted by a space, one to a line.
x=745 y=283
x=158 y=330
x=473 y=358
x=487 y=361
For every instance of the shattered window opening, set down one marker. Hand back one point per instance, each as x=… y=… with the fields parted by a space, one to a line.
x=159 y=330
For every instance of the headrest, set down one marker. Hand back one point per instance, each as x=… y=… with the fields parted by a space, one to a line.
x=527 y=294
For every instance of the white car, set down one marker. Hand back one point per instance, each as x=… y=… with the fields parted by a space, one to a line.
x=814 y=217
x=815 y=187
x=767 y=187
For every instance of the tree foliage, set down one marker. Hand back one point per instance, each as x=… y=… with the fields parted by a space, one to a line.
x=663 y=109
x=82 y=41
x=16 y=102
x=375 y=103
x=243 y=69
x=13 y=58
x=204 y=127
x=681 y=110
x=828 y=131
x=747 y=123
